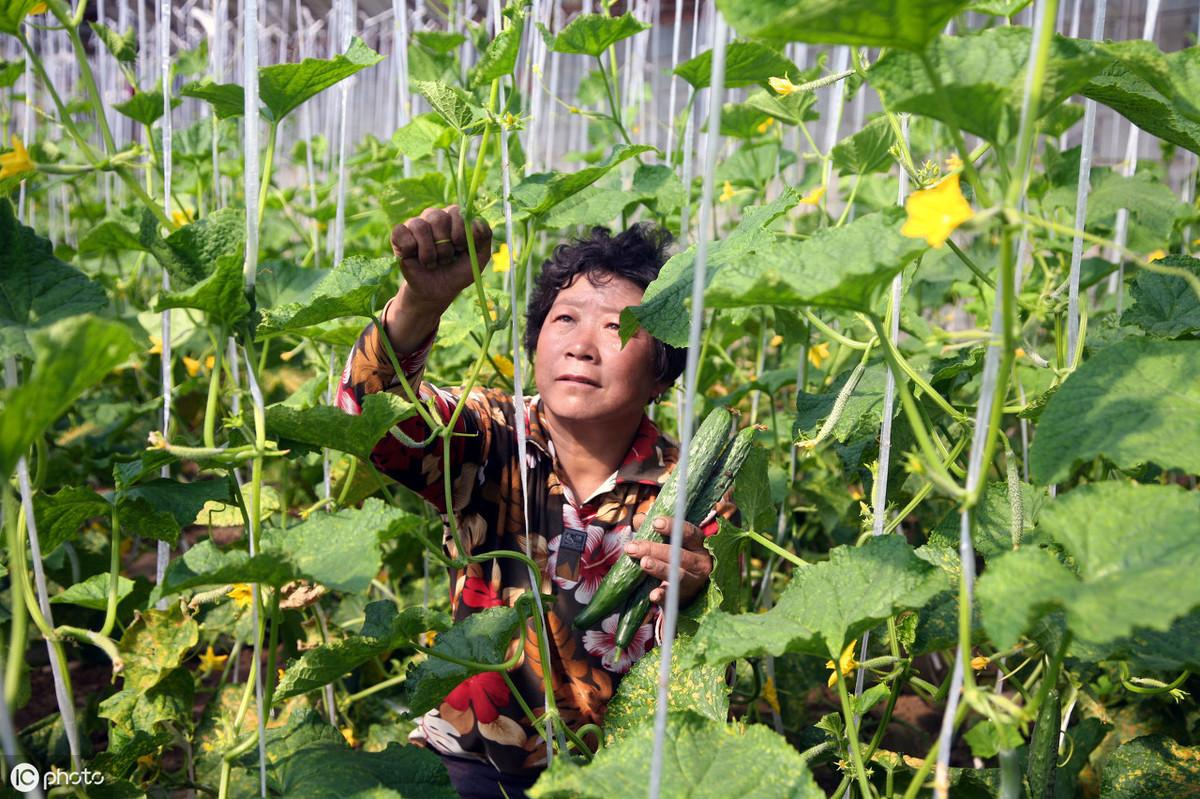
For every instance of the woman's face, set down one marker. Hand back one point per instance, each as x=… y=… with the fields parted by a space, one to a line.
x=582 y=372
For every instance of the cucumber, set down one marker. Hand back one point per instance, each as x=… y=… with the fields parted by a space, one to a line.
x=708 y=444
x=1043 y=747
x=700 y=506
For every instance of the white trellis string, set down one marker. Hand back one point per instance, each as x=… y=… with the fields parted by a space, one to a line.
x=979 y=439
x=521 y=415
x=65 y=706
x=400 y=53
x=688 y=132
x=1116 y=281
x=880 y=487
x=712 y=144
x=673 y=80
x=833 y=122
x=254 y=523
x=163 y=553
x=1081 y=197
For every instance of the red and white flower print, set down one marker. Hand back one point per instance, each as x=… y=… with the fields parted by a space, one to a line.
x=600 y=552
x=603 y=644
x=485 y=693
x=478 y=593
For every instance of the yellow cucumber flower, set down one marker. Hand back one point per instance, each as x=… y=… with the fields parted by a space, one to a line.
x=503 y=365
x=813 y=197
x=845 y=666
x=17 y=162
x=242 y=594
x=210 y=661
x=727 y=192
x=1157 y=255
x=782 y=86
x=38 y=8
x=818 y=353
x=762 y=126
x=775 y=341
x=934 y=213
x=501 y=261
x=191 y=365
x=979 y=662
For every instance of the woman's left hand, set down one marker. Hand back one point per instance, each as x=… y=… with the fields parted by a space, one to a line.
x=695 y=564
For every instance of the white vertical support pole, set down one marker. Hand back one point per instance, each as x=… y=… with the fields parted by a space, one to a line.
x=1081 y=196
x=400 y=53
x=1116 y=281
x=833 y=122
x=712 y=144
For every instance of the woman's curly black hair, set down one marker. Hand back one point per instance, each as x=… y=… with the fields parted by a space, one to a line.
x=636 y=254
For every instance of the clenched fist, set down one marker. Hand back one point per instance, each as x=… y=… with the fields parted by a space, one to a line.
x=433 y=254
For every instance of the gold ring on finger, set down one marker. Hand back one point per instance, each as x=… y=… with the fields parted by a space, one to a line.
x=442 y=241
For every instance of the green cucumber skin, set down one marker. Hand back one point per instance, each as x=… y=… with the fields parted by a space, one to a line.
x=707 y=447
x=636 y=609
x=1043 y=747
x=719 y=483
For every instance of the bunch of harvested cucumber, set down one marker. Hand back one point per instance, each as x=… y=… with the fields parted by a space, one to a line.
x=714 y=461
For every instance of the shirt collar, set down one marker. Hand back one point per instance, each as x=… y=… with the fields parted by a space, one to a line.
x=650 y=458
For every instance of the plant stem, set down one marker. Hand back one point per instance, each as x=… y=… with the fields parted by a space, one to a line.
x=214 y=388
x=114 y=570
x=778 y=550
x=268 y=161
x=860 y=770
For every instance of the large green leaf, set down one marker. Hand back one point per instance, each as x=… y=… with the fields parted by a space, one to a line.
x=113 y=235
x=155 y=644
x=10 y=71
x=404 y=198
x=309 y=757
x=700 y=690
x=384 y=629
x=746 y=64
x=1165 y=305
x=13 y=12
x=906 y=24
x=59 y=515
x=144 y=709
x=499 y=58
x=190 y=253
x=122 y=46
x=1126 y=542
x=867 y=150
x=145 y=107
x=36 y=289
x=702 y=759
x=841 y=267
x=349 y=289
x=482 y=637
x=664 y=308
x=69 y=357
x=591 y=34
x=1132 y=403
x=93 y=592
x=338 y=550
x=1153 y=208
x=221 y=295
x=983 y=77
x=160 y=508
x=1151 y=767
x=1157 y=92
x=228 y=100
x=538 y=193
x=283 y=87
x=826 y=605
x=423 y=135
x=327 y=426
x=455 y=106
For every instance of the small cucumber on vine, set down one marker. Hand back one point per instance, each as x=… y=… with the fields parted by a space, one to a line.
x=708 y=445
x=1043 y=748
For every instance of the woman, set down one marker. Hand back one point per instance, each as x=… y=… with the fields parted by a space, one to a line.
x=595 y=463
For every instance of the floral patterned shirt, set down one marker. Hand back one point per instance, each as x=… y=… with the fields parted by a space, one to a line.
x=574 y=540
